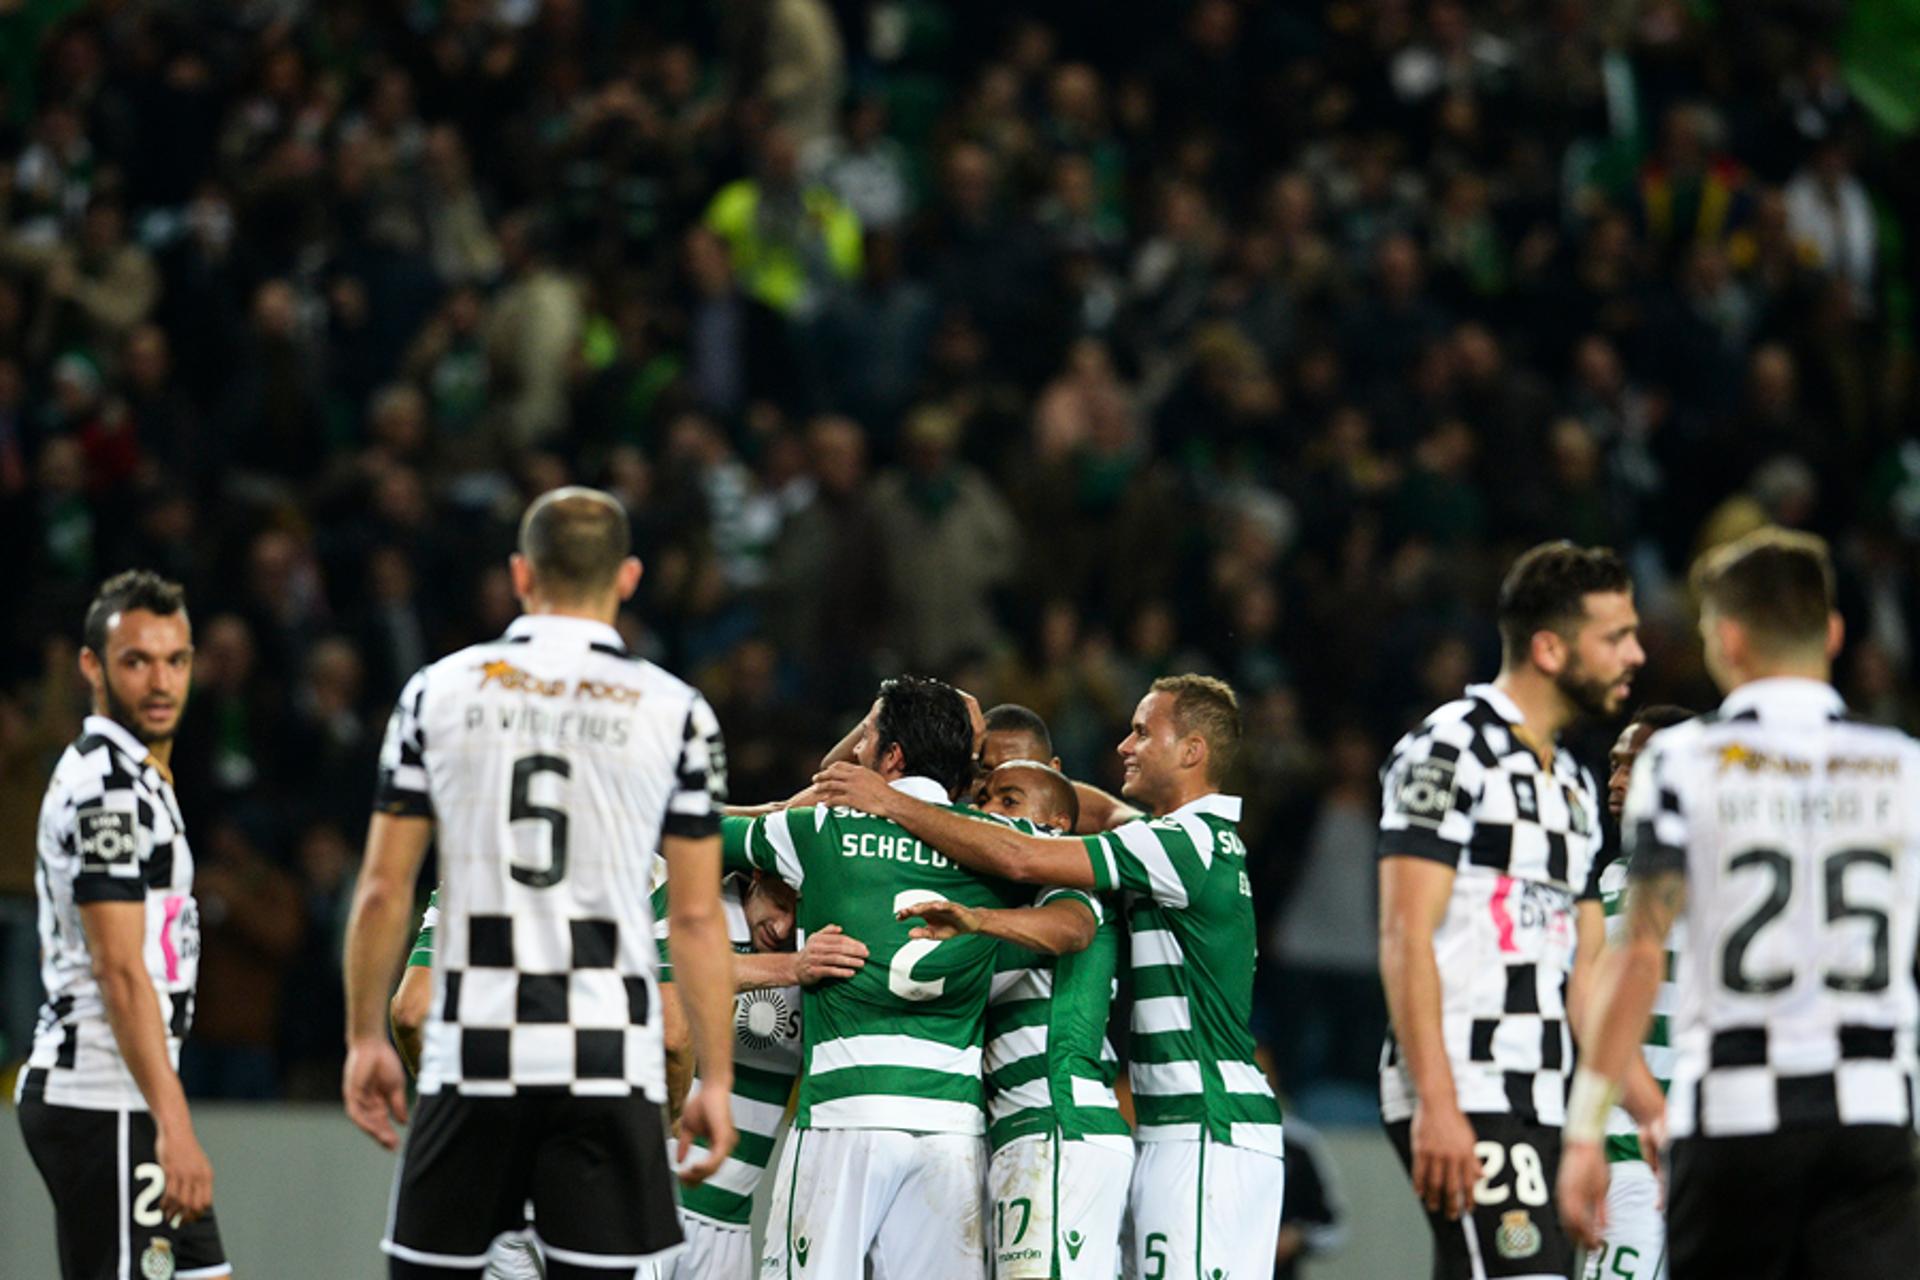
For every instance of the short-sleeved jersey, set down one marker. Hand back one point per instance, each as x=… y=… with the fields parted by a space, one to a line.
x=1190 y=916
x=766 y=1059
x=1798 y=832
x=552 y=762
x=110 y=831
x=1049 y=1065
x=898 y=1045
x=1623 y=1135
x=1523 y=839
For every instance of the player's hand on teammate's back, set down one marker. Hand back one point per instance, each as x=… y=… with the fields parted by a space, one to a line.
x=186 y=1176
x=374 y=1087
x=854 y=787
x=1444 y=1165
x=943 y=920
x=708 y=1114
x=1582 y=1193
x=829 y=953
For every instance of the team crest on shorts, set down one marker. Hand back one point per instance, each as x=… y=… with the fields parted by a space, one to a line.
x=1517 y=1236
x=156 y=1263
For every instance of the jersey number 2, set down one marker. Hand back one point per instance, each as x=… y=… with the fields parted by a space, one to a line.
x=900 y=979
x=521 y=808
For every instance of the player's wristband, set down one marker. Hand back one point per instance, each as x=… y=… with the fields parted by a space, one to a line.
x=1589 y=1104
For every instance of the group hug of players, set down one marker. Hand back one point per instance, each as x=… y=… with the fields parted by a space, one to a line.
x=916 y=958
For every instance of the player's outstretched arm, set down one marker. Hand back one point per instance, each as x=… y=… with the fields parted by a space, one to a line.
x=1414 y=893
x=1101 y=811
x=116 y=939
x=1056 y=928
x=703 y=972
x=1622 y=1007
x=991 y=848
x=373 y=1085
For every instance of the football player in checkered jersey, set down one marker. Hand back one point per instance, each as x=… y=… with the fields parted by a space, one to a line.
x=551 y=767
x=1787 y=835
x=1489 y=843
x=100 y=1102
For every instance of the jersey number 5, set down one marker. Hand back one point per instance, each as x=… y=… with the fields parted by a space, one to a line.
x=521 y=808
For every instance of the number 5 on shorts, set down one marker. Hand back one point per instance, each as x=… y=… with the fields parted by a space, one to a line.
x=1156 y=1250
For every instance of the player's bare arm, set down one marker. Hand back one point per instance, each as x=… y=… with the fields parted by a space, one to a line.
x=990 y=848
x=1616 y=1023
x=676 y=1042
x=1100 y=810
x=374 y=1081
x=116 y=939
x=1589 y=941
x=829 y=953
x=761 y=971
x=703 y=972
x=1414 y=893
x=1056 y=928
x=408 y=1014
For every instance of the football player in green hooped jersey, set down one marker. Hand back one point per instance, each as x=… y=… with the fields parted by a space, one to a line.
x=884 y=1164
x=716 y=1216
x=1635 y=1244
x=1062 y=1153
x=1208 y=1181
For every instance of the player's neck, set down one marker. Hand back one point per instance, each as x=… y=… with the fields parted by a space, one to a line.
x=1544 y=710
x=161 y=750
x=1182 y=794
x=602 y=611
x=1818 y=670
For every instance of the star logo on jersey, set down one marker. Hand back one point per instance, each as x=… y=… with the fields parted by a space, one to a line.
x=156 y=1263
x=763 y=1019
x=801 y=1248
x=1517 y=1236
x=1075 y=1243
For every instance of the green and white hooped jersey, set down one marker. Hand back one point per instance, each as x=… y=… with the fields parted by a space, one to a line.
x=1048 y=1060
x=1190 y=912
x=898 y=1045
x=1623 y=1135
x=766 y=1058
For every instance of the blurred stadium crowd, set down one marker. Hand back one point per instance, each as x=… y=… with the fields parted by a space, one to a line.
x=1025 y=344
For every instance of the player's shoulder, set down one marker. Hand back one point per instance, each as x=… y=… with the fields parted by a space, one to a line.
x=1459 y=727
x=92 y=765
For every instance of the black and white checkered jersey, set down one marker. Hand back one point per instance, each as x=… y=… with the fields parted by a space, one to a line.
x=1798 y=832
x=1524 y=843
x=110 y=831
x=552 y=762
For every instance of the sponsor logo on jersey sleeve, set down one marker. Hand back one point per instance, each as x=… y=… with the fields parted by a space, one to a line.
x=107 y=835
x=1425 y=792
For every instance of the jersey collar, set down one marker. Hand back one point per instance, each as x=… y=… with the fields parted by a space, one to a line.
x=1496 y=697
x=1214 y=804
x=922 y=789
x=1788 y=697
x=530 y=626
x=116 y=733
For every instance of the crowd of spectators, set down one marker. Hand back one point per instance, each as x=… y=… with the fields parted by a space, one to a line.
x=1032 y=345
